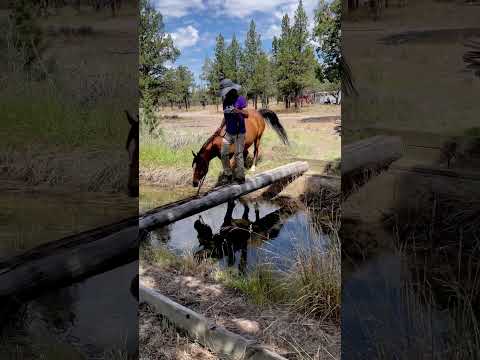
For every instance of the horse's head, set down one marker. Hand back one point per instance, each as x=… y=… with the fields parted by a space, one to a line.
x=200 y=168
x=132 y=148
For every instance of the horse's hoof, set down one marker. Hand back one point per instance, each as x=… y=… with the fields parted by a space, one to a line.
x=252 y=169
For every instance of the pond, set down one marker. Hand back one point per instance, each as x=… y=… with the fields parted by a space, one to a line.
x=88 y=318
x=240 y=234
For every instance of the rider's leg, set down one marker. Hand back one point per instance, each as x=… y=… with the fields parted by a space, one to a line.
x=227 y=141
x=239 y=164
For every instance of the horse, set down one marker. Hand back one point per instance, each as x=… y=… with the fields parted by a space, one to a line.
x=255 y=126
x=133 y=154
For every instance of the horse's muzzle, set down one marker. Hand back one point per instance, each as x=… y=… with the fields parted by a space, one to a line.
x=195 y=183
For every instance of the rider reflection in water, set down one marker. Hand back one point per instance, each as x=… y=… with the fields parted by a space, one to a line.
x=233 y=237
x=235 y=234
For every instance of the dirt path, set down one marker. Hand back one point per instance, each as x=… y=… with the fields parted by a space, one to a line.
x=290 y=335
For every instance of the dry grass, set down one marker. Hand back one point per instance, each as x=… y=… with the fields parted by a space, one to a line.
x=160 y=340
x=420 y=81
x=73 y=107
x=166 y=157
x=286 y=310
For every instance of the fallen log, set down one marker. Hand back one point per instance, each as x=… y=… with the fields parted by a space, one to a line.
x=198 y=327
x=168 y=214
x=449 y=182
x=371 y=153
x=366 y=158
x=68 y=260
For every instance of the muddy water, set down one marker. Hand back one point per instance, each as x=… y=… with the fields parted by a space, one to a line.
x=249 y=233
x=85 y=320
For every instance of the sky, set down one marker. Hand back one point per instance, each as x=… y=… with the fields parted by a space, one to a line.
x=194 y=24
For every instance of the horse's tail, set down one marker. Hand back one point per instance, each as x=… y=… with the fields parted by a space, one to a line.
x=272 y=119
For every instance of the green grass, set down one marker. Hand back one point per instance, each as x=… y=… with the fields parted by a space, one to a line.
x=311 y=287
x=40 y=115
x=156 y=153
x=171 y=152
x=263 y=286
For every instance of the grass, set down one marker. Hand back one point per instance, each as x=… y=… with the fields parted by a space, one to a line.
x=49 y=119
x=436 y=238
x=160 y=340
x=310 y=287
x=404 y=85
x=55 y=104
x=166 y=159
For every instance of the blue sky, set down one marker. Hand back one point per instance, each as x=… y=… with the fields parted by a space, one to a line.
x=194 y=24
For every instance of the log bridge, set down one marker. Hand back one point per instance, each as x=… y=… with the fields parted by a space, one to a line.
x=170 y=213
x=71 y=259
x=66 y=261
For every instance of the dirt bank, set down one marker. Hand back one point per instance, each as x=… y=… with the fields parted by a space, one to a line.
x=101 y=170
x=159 y=340
x=290 y=335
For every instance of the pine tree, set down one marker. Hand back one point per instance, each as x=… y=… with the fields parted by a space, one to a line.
x=210 y=77
x=220 y=57
x=304 y=66
x=250 y=56
x=232 y=60
x=284 y=61
x=184 y=85
x=156 y=50
x=294 y=58
x=327 y=32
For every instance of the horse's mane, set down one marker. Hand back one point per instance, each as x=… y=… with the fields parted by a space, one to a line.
x=209 y=140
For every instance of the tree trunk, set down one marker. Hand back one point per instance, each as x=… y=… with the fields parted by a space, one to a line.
x=66 y=261
x=168 y=214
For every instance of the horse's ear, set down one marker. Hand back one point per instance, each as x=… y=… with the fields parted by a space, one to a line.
x=194 y=159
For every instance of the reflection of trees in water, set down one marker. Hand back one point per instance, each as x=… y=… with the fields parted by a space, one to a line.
x=236 y=235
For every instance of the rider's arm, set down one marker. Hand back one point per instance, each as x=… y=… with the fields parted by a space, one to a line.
x=242 y=111
x=240 y=106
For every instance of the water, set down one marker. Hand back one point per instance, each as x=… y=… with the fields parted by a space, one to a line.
x=88 y=318
x=256 y=232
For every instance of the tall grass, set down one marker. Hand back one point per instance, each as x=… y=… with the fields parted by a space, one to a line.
x=311 y=285
x=52 y=104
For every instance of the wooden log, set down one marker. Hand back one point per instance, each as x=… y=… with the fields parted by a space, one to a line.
x=199 y=328
x=68 y=260
x=371 y=153
x=168 y=214
x=448 y=182
x=366 y=158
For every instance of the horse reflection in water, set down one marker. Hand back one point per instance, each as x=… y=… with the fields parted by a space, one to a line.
x=236 y=235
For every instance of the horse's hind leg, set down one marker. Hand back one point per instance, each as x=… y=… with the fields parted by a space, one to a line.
x=256 y=149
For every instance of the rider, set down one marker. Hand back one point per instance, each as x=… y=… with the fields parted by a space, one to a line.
x=234 y=121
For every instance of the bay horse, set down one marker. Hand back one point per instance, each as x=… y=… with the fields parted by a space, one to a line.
x=133 y=154
x=254 y=125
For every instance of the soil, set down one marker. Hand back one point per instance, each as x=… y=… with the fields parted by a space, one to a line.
x=160 y=341
x=290 y=335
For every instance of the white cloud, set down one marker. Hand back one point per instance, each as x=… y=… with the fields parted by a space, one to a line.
x=277 y=8
x=176 y=8
x=185 y=37
x=273 y=30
